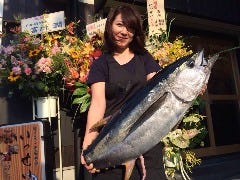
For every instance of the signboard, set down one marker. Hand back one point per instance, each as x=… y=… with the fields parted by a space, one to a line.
x=156 y=16
x=86 y=1
x=44 y=23
x=98 y=26
x=22 y=152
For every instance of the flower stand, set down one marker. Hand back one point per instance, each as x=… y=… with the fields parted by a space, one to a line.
x=45 y=108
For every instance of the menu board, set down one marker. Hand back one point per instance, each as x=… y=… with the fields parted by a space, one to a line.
x=22 y=152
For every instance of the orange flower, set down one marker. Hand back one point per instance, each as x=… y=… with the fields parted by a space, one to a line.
x=74 y=73
x=70 y=28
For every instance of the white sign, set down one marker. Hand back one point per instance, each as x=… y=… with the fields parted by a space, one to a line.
x=156 y=16
x=1 y=19
x=1 y=7
x=44 y=23
x=98 y=26
x=87 y=1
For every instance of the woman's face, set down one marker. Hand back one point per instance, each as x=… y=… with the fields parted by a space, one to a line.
x=122 y=35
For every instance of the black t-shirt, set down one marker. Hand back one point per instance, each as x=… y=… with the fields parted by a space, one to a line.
x=122 y=81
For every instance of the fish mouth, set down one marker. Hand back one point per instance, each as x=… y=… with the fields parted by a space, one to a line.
x=202 y=62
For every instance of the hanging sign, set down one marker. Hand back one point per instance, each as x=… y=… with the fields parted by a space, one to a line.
x=44 y=23
x=156 y=16
x=98 y=26
x=22 y=152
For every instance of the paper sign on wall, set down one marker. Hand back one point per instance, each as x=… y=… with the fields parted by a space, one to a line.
x=156 y=16
x=98 y=26
x=44 y=23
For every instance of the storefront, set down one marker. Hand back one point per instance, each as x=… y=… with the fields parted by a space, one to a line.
x=212 y=25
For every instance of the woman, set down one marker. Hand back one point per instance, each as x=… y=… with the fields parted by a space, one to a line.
x=114 y=78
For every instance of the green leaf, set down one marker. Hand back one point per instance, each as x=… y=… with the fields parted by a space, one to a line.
x=85 y=105
x=81 y=99
x=79 y=84
x=80 y=91
x=40 y=85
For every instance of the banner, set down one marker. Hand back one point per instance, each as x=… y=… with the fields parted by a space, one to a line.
x=156 y=16
x=44 y=23
x=22 y=152
x=98 y=26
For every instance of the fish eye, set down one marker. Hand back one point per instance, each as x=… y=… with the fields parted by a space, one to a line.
x=191 y=63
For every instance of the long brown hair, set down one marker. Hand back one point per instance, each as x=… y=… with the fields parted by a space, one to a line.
x=132 y=20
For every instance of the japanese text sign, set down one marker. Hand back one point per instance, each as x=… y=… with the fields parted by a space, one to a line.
x=156 y=16
x=98 y=26
x=22 y=152
x=44 y=23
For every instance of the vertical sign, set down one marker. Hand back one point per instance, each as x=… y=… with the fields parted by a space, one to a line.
x=22 y=152
x=156 y=16
x=44 y=23
x=1 y=18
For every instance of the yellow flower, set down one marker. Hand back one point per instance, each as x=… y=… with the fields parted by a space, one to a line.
x=12 y=77
x=74 y=53
x=33 y=52
x=87 y=49
x=73 y=40
x=191 y=159
x=56 y=36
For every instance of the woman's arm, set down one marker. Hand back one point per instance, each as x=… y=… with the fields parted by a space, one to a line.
x=96 y=112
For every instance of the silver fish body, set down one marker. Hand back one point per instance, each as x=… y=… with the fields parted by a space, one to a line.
x=151 y=113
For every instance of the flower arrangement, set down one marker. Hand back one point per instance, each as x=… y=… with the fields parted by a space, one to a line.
x=41 y=65
x=177 y=156
x=90 y=50
x=166 y=52
x=32 y=65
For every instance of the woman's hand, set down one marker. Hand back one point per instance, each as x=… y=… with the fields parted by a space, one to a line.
x=204 y=88
x=90 y=167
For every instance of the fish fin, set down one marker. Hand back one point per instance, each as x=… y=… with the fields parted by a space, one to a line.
x=129 y=165
x=101 y=123
x=148 y=113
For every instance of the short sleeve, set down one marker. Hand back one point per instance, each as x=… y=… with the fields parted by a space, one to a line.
x=98 y=71
x=150 y=64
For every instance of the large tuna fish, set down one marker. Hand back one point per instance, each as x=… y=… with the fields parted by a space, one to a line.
x=151 y=113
